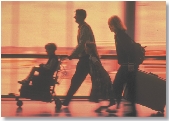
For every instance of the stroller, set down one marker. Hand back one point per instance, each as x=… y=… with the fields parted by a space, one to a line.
x=41 y=89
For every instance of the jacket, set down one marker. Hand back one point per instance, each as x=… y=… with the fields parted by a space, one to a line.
x=85 y=34
x=124 y=48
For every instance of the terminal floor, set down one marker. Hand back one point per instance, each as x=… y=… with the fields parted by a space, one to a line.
x=78 y=108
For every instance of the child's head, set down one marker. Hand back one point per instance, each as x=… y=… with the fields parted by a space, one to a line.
x=90 y=48
x=50 y=48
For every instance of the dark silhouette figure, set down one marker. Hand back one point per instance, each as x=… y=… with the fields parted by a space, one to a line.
x=126 y=73
x=101 y=81
x=41 y=82
x=85 y=34
x=45 y=70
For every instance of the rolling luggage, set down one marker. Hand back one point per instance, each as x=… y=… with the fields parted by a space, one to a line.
x=150 y=91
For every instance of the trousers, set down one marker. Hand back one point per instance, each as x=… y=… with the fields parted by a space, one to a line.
x=123 y=76
x=82 y=70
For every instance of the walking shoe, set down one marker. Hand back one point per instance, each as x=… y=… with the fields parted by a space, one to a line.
x=112 y=109
x=65 y=104
x=23 y=82
x=98 y=110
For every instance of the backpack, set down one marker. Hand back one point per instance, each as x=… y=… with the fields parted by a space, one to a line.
x=139 y=53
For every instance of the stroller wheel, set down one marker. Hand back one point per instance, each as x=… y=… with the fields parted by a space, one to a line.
x=58 y=103
x=19 y=103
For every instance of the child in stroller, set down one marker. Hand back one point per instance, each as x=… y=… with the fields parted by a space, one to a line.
x=38 y=87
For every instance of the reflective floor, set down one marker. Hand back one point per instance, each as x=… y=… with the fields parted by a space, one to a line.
x=79 y=108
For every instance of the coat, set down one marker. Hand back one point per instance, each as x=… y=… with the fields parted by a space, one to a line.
x=101 y=81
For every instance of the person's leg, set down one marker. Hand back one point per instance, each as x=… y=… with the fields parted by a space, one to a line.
x=119 y=83
x=131 y=86
x=111 y=97
x=94 y=96
x=27 y=79
x=110 y=91
x=32 y=73
x=82 y=69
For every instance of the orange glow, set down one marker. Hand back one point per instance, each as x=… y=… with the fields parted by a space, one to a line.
x=33 y=24
x=26 y=26
x=42 y=22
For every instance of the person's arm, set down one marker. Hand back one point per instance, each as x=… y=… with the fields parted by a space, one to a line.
x=50 y=65
x=83 y=38
x=98 y=65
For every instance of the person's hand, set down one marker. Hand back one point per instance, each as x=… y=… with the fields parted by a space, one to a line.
x=130 y=67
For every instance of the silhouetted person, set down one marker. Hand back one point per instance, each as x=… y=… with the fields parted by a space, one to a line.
x=101 y=81
x=85 y=34
x=45 y=70
x=128 y=68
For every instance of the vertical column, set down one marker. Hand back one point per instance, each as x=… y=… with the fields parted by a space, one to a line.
x=69 y=21
x=69 y=35
x=15 y=24
x=14 y=42
x=45 y=21
x=129 y=17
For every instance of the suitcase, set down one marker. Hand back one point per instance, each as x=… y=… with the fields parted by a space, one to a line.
x=150 y=91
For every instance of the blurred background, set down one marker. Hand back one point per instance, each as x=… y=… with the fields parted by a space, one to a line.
x=27 y=26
